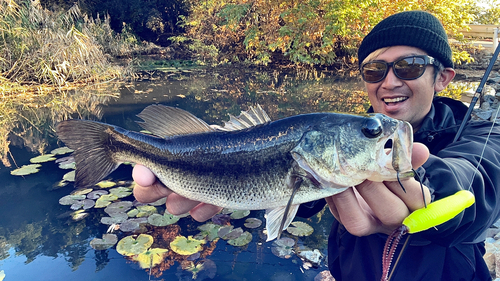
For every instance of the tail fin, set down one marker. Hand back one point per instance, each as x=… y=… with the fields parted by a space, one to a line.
x=90 y=141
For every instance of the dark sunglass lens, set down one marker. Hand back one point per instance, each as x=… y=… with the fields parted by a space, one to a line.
x=410 y=68
x=374 y=71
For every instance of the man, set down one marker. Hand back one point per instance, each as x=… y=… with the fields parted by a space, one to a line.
x=404 y=61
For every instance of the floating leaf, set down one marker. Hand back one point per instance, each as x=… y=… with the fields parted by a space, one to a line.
x=252 y=223
x=121 y=191
x=130 y=246
x=233 y=234
x=159 y=220
x=283 y=247
x=71 y=199
x=61 y=150
x=26 y=170
x=82 y=191
x=118 y=207
x=105 y=200
x=150 y=258
x=129 y=226
x=132 y=213
x=116 y=219
x=106 y=184
x=186 y=246
x=300 y=229
x=2 y=275
x=67 y=162
x=159 y=202
x=107 y=241
x=69 y=176
x=209 y=230
x=242 y=240
x=221 y=219
x=239 y=214
x=204 y=270
x=43 y=158
x=85 y=204
x=96 y=194
x=146 y=211
x=224 y=230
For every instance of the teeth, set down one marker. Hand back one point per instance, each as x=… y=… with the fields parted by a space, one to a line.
x=395 y=99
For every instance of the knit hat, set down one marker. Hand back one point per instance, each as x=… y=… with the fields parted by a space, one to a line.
x=412 y=28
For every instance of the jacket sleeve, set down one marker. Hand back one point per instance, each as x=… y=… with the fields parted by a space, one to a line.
x=471 y=165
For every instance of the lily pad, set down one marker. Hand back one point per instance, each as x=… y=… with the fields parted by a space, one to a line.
x=67 y=162
x=69 y=176
x=2 y=275
x=96 y=194
x=43 y=158
x=130 y=246
x=283 y=247
x=82 y=191
x=129 y=226
x=186 y=246
x=118 y=207
x=121 y=191
x=252 y=223
x=146 y=211
x=26 y=170
x=159 y=202
x=239 y=214
x=209 y=230
x=242 y=240
x=116 y=219
x=105 y=200
x=159 y=220
x=300 y=229
x=83 y=204
x=106 y=184
x=150 y=258
x=107 y=241
x=224 y=230
x=221 y=219
x=132 y=213
x=61 y=150
x=71 y=199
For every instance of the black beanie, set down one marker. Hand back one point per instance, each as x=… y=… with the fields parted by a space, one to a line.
x=412 y=28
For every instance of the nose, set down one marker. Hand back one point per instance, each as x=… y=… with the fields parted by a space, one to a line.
x=391 y=81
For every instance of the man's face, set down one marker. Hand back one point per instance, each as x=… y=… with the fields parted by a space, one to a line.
x=408 y=100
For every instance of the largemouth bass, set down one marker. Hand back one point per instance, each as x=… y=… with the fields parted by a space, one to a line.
x=250 y=163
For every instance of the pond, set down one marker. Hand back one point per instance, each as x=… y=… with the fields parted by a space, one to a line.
x=40 y=240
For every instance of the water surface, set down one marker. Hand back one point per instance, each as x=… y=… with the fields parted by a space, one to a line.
x=38 y=243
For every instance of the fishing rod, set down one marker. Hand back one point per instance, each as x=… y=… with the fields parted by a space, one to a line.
x=479 y=92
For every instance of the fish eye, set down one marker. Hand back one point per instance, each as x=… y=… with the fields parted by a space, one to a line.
x=372 y=128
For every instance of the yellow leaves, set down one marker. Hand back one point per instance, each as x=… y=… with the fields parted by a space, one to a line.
x=150 y=258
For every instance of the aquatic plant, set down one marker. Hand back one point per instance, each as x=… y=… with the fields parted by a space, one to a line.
x=129 y=246
x=107 y=241
x=299 y=228
x=26 y=170
x=150 y=258
x=186 y=246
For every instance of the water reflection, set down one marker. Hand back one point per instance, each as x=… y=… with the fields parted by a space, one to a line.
x=32 y=226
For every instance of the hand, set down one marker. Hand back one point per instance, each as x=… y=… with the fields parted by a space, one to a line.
x=380 y=207
x=148 y=189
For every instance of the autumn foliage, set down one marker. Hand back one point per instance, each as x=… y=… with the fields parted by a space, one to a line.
x=314 y=32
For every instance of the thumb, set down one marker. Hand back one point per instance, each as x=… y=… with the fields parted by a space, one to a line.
x=420 y=154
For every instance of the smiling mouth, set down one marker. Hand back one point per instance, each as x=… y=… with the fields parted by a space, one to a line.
x=394 y=100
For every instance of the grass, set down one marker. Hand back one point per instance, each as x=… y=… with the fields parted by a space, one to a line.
x=46 y=60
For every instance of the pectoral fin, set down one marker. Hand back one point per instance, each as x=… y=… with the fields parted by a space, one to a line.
x=274 y=218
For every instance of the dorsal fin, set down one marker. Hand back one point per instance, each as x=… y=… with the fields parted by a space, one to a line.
x=251 y=117
x=165 y=121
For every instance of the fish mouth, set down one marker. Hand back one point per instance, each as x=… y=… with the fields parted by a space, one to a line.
x=402 y=144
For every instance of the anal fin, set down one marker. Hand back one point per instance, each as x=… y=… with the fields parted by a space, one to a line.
x=274 y=219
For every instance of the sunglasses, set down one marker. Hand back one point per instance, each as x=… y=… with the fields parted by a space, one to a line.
x=408 y=68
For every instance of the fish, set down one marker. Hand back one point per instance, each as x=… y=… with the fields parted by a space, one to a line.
x=250 y=163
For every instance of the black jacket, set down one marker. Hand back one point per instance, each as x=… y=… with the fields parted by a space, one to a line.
x=455 y=250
